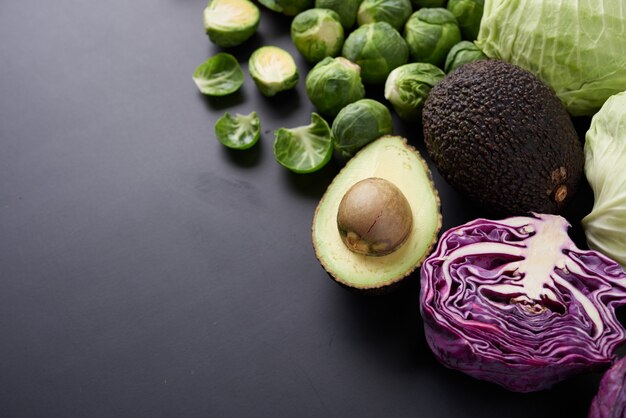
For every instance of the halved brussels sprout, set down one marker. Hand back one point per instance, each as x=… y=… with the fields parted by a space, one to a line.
x=358 y=124
x=317 y=34
x=377 y=48
x=346 y=9
x=333 y=84
x=407 y=88
x=239 y=131
x=430 y=33
x=306 y=148
x=462 y=53
x=219 y=75
x=468 y=14
x=394 y=12
x=287 y=7
x=230 y=22
x=273 y=70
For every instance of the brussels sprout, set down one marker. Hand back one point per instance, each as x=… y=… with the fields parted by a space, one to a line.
x=317 y=34
x=462 y=53
x=468 y=14
x=418 y=4
x=394 y=12
x=407 y=88
x=334 y=83
x=346 y=9
x=239 y=131
x=219 y=75
x=287 y=7
x=377 y=48
x=273 y=70
x=306 y=148
x=230 y=22
x=430 y=33
x=358 y=124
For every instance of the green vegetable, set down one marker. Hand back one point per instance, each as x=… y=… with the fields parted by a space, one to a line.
x=287 y=7
x=407 y=88
x=306 y=148
x=273 y=70
x=239 y=131
x=605 y=163
x=317 y=34
x=394 y=12
x=219 y=75
x=418 y=4
x=577 y=48
x=358 y=124
x=230 y=22
x=430 y=33
x=468 y=14
x=377 y=48
x=462 y=53
x=346 y=9
x=334 y=83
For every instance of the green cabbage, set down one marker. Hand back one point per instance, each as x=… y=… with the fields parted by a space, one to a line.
x=605 y=162
x=576 y=47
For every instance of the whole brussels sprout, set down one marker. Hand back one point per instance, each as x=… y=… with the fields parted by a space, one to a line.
x=346 y=9
x=287 y=7
x=273 y=70
x=394 y=12
x=377 y=48
x=230 y=22
x=430 y=33
x=407 y=88
x=468 y=14
x=462 y=53
x=317 y=34
x=358 y=124
x=333 y=84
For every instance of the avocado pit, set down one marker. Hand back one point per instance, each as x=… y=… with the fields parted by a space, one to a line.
x=374 y=217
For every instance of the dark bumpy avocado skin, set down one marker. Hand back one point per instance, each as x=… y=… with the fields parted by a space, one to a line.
x=499 y=135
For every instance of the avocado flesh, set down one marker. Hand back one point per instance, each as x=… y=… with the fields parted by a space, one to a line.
x=391 y=158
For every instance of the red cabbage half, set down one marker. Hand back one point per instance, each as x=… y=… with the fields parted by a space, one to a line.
x=610 y=402
x=515 y=302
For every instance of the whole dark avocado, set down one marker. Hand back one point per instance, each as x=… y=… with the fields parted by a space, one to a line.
x=499 y=135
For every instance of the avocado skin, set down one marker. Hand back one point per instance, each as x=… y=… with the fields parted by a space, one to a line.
x=499 y=135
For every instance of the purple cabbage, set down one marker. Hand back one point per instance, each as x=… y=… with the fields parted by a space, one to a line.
x=610 y=402
x=515 y=302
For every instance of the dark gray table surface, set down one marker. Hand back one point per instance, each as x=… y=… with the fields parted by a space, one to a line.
x=145 y=270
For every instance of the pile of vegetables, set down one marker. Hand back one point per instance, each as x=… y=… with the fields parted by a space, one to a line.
x=510 y=301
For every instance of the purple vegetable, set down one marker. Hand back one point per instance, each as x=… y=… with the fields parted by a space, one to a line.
x=514 y=302
x=610 y=402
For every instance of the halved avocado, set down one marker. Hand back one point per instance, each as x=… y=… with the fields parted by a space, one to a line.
x=392 y=159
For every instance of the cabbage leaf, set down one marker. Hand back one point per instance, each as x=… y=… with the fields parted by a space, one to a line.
x=605 y=168
x=576 y=47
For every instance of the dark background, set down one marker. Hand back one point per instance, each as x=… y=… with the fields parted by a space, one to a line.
x=146 y=270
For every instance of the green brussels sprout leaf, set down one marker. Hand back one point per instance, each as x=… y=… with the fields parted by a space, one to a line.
x=219 y=75
x=306 y=148
x=273 y=70
x=358 y=124
x=346 y=9
x=377 y=48
x=333 y=84
x=462 y=53
x=239 y=131
x=394 y=12
x=317 y=33
x=430 y=33
x=230 y=22
x=468 y=14
x=407 y=88
x=287 y=7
